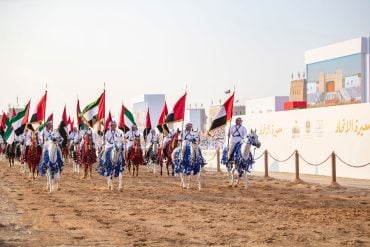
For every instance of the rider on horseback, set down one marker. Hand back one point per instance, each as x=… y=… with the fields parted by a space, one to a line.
x=151 y=139
x=130 y=135
x=236 y=134
x=111 y=137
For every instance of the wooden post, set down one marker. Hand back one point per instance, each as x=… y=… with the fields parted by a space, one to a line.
x=218 y=159
x=334 y=183
x=266 y=164
x=297 y=179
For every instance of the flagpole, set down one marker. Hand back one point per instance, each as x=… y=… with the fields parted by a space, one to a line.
x=228 y=135
x=183 y=121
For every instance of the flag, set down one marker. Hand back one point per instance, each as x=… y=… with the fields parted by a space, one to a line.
x=69 y=128
x=49 y=119
x=148 y=125
x=126 y=119
x=71 y=125
x=39 y=114
x=20 y=121
x=3 y=124
x=225 y=114
x=63 y=129
x=14 y=113
x=17 y=124
x=107 y=122
x=80 y=124
x=178 y=111
x=94 y=113
x=161 y=125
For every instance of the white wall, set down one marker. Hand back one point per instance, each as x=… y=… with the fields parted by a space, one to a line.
x=336 y=128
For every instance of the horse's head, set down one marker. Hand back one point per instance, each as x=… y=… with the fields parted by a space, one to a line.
x=175 y=140
x=253 y=139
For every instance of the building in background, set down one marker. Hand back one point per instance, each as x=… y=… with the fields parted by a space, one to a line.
x=265 y=104
x=338 y=73
x=197 y=116
x=141 y=103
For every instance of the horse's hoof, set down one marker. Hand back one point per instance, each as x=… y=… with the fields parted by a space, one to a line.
x=120 y=190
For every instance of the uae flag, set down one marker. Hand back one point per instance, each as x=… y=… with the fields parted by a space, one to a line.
x=94 y=113
x=126 y=119
x=161 y=126
x=39 y=114
x=178 y=111
x=71 y=125
x=225 y=114
x=148 y=125
x=107 y=122
x=3 y=126
x=80 y=124
x=16 y=125
x=49 y=119
x=63 y=127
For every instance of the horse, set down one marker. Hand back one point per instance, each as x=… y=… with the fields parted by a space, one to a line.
x=189 y=161
x=88 y=155
x=52 y=164
x=11 y=152
x=243 y=159
x=168 y=152
x=154 y=157
x=75 y=155
x=112 y=162
x=33 y=156
x=135 y=157
x=65 y=150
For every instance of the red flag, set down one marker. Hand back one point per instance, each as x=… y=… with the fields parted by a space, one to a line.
x=64 y=116
x=101 y=113
x=79 y=120
x=39 y=114
x=224 y=114
x=148 y=124
x=121 y=122
x=161 y=125
x=229 y=106
x=178 y=112
x=14 y=113
x=26 y=115
x=107 y=122
x=3 y=121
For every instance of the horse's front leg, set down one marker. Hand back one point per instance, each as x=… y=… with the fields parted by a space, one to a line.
x=58 y=180
x=51 y=182
x=245 y=180
x=120 y=182
x=188 y=186
x=137 y=170
x=199 y=182
x=182 y=183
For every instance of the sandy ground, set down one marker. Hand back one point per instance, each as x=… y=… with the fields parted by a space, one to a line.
x=154 y=211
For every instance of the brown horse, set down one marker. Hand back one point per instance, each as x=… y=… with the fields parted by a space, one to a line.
x=10 y=152
x=33 y=156
x=88 y=155
x=135 y=157
x=168 y=153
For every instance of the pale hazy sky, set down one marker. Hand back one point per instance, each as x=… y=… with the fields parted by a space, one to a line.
x=160 y=46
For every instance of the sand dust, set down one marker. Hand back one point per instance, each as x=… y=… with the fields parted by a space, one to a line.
x=154 y=211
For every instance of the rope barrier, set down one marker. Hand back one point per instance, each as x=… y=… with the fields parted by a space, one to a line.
x=347 y=164
x=281 y=161
x=212 y=157
x=259 y=156
x=314 y=164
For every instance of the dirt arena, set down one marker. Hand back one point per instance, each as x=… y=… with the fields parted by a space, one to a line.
x=152 y=210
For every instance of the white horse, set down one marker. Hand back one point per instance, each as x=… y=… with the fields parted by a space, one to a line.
x=113 y=164
x=188 y=162
x=153 y=156
x=243 y=159
x=53 y=161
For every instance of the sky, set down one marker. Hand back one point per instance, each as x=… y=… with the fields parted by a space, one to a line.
x=163 y=46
